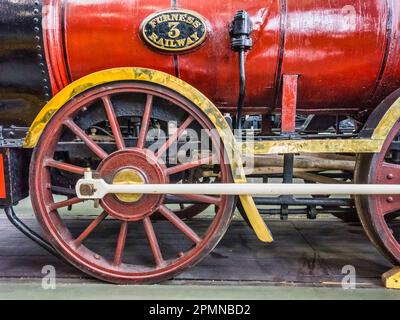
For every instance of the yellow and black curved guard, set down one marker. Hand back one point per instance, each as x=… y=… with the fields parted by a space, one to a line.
x=177 y=85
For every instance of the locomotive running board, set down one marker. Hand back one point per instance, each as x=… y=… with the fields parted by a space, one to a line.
x=90 y=188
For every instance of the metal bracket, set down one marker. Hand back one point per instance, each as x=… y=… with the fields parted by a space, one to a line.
x=21 y=226
x=12 y=137
x=289 y=107
x=391 y=279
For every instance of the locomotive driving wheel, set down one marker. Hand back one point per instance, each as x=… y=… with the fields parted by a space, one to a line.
x=126 y=241
x=380 y=214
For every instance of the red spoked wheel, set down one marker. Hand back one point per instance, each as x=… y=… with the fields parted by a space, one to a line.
x=379 y=214
x=124 y=242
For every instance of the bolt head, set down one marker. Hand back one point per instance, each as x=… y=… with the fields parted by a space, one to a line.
x=390 y=176
x=390 y=199
x=87 y=189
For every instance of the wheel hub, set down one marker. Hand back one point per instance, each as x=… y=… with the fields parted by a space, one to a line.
x=128 y=176
x=132 y=166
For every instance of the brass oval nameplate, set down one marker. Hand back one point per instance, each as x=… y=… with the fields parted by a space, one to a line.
x=174 y=30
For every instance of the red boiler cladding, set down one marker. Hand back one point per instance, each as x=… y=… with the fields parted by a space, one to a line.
x=346 y=52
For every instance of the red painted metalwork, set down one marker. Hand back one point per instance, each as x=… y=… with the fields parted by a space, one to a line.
x=105 y=34
x=378 y=212
x=289 y=103
x=64 y=166
x=153 y=171
x=347 y=48
x=390 y=73
x=54 y=44
x=112 y=118
x=63 y=204
x=194 y=242
x=145 y=122
x=2 y=179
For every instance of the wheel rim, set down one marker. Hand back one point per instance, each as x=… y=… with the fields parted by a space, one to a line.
x=141 y=210
x=378 y=212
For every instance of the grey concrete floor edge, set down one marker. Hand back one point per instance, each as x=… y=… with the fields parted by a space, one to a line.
x=34 y=290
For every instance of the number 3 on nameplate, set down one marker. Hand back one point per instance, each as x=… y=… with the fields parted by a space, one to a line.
x=174 y=32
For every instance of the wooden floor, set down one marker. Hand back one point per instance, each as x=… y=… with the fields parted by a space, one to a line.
x=304 y=253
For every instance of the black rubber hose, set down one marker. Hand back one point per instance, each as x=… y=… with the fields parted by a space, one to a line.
x=12 y=217
x=242 y=90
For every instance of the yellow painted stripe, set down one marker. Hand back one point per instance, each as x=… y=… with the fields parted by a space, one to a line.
x=312 y=146
x=388 y=121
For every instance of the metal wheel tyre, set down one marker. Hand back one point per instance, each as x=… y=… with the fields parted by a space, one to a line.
x=379 y=214
x=123 y=243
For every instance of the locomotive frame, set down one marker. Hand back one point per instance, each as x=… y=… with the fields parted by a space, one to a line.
x=130 y=189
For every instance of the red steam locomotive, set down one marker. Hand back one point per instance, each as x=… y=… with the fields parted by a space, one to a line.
x=157 y=112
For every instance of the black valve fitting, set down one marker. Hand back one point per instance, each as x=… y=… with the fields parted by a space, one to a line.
x=240 y=31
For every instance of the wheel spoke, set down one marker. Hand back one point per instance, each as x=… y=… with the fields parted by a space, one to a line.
x=90 y=228
x=189 y=165
x=155 y=248
x=174 y=137
x=176 y=221
x=64 y=166
x=389 y=204
x=63 y=204
x=112 y=118
x=201 y=198
x=85 y=138
x=121 y=243
x=145 y=122
x=63 y=191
